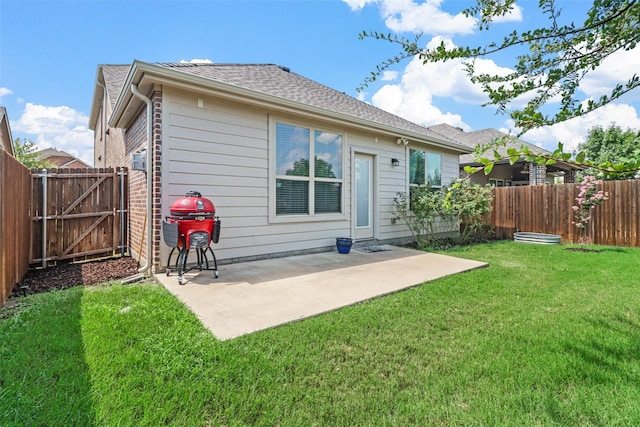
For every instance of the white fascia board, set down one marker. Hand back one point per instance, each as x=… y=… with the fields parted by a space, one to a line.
x=98 y=94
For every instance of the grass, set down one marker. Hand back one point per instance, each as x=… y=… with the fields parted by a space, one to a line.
x=543 y=336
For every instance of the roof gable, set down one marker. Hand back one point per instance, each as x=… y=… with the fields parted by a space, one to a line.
x=60 y=158
x=109 y=81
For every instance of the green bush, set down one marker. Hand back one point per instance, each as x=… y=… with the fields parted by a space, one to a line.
x=462 y=203
x=470 y=204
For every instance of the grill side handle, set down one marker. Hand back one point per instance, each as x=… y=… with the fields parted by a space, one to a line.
x=170 y=233
x=216 y=230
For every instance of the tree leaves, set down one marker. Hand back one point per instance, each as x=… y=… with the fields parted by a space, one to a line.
x=622 y=168
x=559 y=56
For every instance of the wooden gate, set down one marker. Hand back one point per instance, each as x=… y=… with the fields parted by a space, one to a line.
x=78 y=214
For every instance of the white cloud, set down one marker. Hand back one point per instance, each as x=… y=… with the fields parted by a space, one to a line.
x=60 y=127
x=414 y=103
x=514 y=15
x=196 y=61
x=426 y=18
x=412 y=97
x=4 y=92
x=388 y=76
x=574 y=132
x=615 y=69
x=358 y=4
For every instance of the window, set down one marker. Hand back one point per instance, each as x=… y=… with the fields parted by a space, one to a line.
x=305 y=187
x=425 y=167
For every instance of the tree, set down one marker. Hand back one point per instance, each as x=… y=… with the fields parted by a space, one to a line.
x=25 y=154
x=323 y=169
x=611 y=145
x=551 y=63
x=588 y=198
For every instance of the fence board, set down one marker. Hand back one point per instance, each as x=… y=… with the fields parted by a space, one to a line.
x=82 y=213
x=547 y=209
x=15 y=223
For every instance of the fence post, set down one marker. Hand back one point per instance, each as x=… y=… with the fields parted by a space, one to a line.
x=44 y=218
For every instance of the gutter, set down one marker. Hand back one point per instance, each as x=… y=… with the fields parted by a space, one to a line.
x=134 y=90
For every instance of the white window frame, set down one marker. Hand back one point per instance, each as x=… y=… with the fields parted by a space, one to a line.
x=273 y=177
x=426 y=167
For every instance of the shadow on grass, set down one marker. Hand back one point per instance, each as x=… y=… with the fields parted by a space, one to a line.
x=608 y=359
x=44 y=379
x=598 y=249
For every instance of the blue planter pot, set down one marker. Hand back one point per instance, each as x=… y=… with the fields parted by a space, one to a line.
x=344 y=244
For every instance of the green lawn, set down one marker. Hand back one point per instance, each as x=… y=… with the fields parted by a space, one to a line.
x=543 y=336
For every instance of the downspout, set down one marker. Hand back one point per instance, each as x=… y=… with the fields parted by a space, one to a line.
x=134 y=90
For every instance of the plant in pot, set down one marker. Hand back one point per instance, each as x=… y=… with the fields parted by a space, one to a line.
x=344 y=244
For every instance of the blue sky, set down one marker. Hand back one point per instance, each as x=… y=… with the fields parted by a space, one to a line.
x=50 y=50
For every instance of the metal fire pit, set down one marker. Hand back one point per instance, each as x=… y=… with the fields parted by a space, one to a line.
x=193 y=224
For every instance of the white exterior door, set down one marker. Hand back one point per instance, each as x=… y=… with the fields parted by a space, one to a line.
x=363 y=196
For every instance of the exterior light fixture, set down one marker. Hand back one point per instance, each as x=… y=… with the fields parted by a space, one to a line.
x=395 y=162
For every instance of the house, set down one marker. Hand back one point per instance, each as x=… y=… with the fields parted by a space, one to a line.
x=6 y=140
x=60 y=159
x=244 y=136
x=503 y=173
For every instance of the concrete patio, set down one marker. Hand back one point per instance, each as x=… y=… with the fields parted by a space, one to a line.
x=252 y=296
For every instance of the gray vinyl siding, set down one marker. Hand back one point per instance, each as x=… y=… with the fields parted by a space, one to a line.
x=222 y=151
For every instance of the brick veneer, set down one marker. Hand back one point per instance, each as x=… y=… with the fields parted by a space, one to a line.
x=135 y=141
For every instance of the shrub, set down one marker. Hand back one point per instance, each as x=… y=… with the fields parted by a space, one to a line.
x=461 y=203
x=588 y=198
x=469 y=204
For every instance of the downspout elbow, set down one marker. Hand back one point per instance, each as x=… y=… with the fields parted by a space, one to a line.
x=134 y=89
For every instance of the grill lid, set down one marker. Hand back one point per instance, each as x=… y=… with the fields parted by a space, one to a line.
x=192 y=205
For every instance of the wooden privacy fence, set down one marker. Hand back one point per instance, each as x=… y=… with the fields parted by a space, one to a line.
x=15 y=223
x=547 y=209
x=78 y=214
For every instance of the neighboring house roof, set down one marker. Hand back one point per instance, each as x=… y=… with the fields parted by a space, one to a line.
x=484 y=136
x=60 y=159
x=263 y=84
x=6 y=140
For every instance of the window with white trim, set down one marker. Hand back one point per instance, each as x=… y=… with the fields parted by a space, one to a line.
x=305 y=187
x=425 y=168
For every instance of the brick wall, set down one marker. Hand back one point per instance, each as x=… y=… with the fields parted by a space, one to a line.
x=109 y=148
x=135 y=140
x=139 y=224
x=156 y=100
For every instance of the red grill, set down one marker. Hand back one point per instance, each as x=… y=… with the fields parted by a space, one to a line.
x=193 y=224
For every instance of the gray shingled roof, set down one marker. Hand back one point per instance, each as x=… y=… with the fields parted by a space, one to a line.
x=280 y=82
x=114 y=77
x=276 y=81
x=483 y=136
